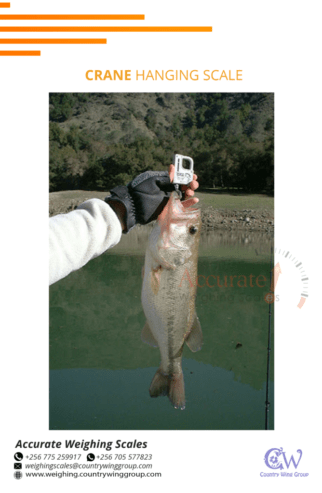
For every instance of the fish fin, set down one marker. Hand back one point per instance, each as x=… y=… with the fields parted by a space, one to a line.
x=176 y=391
x=155 y=279
x=159 y=384
x=147 y=336
x=179 y=353
x=195 y=340
x=159 y=262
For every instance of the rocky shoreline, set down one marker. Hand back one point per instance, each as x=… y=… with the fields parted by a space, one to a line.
x=247 y=220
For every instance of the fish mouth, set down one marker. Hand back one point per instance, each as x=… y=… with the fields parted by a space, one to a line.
x=181 y=207
x=172 y=248
x=176 y=212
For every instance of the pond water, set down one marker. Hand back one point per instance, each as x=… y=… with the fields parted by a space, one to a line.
x=100 y=370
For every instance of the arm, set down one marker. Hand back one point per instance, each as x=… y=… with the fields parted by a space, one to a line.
x=81 y=235
x=95 y=226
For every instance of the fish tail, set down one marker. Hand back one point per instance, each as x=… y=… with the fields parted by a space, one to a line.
x=159 y=384
x=172 y=386
x=176 y=391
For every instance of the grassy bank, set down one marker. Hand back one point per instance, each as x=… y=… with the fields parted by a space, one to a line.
x=236 y=201
x=61 y=202
x=226 y=211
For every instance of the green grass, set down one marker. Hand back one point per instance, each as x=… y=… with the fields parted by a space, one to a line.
x=76 y=195
x=59 y=201
x=236 y=201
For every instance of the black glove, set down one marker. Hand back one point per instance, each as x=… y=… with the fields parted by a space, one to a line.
x=143 y=198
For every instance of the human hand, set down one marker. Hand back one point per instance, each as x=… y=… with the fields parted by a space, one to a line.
x=144 y=198
x=187 y=189
x=141 y=200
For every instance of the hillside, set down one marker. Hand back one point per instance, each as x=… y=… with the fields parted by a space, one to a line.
x=100 y=140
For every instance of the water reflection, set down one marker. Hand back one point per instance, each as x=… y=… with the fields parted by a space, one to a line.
x=83 y=399
x=214 y=243
x=99 y=364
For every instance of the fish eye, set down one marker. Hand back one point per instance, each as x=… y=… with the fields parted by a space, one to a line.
x=193 y=230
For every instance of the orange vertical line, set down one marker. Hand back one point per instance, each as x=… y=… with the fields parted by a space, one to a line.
x=53 y=41
x=19 y=53
x=85 y=17
x=301 y=302
x=145 y=29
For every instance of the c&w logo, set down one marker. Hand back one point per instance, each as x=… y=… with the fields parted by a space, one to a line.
x=275 y=458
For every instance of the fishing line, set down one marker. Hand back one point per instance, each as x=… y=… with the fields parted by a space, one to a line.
x=267 y=403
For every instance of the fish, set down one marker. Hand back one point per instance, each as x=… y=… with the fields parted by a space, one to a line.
x=169 y=293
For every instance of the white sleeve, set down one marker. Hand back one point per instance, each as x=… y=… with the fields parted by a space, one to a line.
x=81 y=235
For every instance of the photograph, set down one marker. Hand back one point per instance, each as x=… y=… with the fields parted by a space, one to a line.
x=161 y=247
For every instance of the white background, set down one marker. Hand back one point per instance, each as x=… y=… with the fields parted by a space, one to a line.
x=276 y=44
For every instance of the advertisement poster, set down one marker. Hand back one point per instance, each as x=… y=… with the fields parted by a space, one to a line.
x=174 y=149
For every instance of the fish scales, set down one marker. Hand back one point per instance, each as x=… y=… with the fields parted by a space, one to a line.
x=168 y=295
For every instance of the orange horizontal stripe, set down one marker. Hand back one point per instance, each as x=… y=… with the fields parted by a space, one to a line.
x=4 y=5
x=85 y=17
x=19 y=53
x=109 y=29
x=54 y=41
